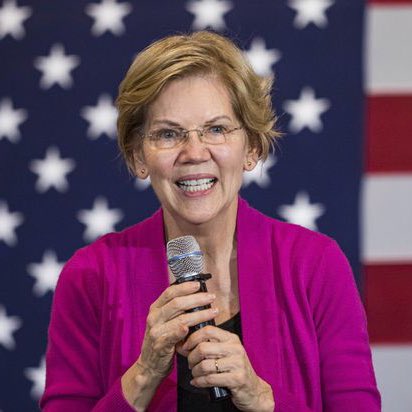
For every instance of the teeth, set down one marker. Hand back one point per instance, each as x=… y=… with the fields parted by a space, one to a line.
x=196 y=182
x=196 y=185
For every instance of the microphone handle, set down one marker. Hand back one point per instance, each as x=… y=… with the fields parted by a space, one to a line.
x=216 y=394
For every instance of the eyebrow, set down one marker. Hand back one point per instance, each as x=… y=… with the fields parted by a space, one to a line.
x=174 y=124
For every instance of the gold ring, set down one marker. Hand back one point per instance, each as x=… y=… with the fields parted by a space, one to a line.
x=217 y=367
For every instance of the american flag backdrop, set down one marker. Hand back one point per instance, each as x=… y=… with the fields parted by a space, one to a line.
x=343 y=94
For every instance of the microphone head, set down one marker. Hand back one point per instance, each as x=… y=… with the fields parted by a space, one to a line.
x=184 y=257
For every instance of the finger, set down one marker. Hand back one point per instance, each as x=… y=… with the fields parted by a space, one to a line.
x=221 y=365
x=212 y=350
x=177 y=329
x=206 y=334
x=181 y=304
x=194 y=318
x=174 y=291
x=228 y=380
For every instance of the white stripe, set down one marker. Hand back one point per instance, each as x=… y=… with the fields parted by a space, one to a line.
x=386 y=218
x=388 y=49
x=393 y=369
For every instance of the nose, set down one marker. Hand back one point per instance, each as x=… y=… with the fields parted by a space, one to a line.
x=193 y=149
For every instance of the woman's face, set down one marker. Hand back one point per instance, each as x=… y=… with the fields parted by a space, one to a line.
x=195 y=182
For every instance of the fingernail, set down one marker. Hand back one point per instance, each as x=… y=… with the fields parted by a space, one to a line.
x=215 y=310
x=211 y=296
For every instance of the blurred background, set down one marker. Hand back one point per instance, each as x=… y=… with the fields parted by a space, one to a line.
x=343 y=95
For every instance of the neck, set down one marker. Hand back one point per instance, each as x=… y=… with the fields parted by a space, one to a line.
x=216 y=238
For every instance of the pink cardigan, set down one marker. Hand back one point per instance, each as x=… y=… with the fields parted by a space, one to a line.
x=303 y=323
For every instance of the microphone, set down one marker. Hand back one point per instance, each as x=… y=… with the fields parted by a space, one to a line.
x=185 y=261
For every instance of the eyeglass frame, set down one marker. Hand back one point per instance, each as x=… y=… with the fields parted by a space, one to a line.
x=200 y=133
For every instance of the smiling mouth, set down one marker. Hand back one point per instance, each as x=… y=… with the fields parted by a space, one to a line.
x=196 y=185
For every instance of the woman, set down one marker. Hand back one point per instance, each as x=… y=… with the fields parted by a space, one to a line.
x=193 y=116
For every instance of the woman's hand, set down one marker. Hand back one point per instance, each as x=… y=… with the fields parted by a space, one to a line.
x=218 y=358
x=167 y=324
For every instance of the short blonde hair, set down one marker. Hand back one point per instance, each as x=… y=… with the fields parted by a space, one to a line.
x=184 y=55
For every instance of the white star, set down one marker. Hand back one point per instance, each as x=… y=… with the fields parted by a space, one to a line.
x=52 y=171
x=12 y=18
x=209 y=13
x=10 y=120
x=302 y=212
x=262 y=59
x=99 y=220
x=56 y=67
x=8 y=224
x=142 y=184
x=8 y=325
x=260 y=174
x=310 y=11
x=102 y=118
x=306 y=111
x=45 y=273
x=108 y=16
x=38 y=378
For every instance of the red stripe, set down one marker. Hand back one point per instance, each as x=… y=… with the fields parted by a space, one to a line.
x=389 y=2
x=388 y=302
x=389 y=134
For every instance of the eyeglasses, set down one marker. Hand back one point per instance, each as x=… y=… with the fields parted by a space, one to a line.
x=169 y=138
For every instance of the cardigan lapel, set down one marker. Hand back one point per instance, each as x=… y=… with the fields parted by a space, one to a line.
x=257 y=291
x=153 y=278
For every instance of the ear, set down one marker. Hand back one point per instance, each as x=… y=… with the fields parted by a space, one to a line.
x=139 y=166
x=251 y=160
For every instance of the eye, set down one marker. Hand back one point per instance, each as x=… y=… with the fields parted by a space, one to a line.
x=217 y=129
x=166 y=134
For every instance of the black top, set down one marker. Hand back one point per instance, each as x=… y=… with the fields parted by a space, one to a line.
x=190 y=398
